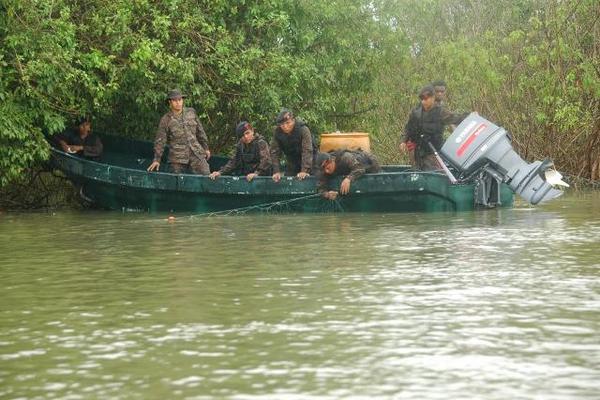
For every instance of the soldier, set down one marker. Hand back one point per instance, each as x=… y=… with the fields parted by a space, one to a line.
x=439 y=87
x=426 y=125
x=181 y=129
x=292 y=138
x=81 y=141
x=351 y=164
x=252 y=156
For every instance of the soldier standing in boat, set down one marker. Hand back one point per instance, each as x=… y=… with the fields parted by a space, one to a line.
x=292 y=138
x=252 y=156
x=181 y=129
x=426 y=125
x=351 y=164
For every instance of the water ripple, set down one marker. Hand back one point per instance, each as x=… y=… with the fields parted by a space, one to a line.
x=491 y=305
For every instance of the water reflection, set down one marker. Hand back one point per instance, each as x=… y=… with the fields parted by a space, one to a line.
x=495 y=304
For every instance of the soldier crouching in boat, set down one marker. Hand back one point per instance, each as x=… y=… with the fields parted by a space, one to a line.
x=351 y=164
x=181 y=129
x=252 y=157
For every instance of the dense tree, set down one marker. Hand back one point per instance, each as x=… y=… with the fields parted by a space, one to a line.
x=531 y=65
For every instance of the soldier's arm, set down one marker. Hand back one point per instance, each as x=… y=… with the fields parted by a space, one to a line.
x=264 y=166
x=161 y=138
x=410 y=130
x=450 y=118
x=61 y=140
x=231 y=165
x=201 y=134
x=275 y=154
x=307 y=150
x=356 y=168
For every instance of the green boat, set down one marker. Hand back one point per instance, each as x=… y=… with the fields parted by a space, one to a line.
x=120 y=182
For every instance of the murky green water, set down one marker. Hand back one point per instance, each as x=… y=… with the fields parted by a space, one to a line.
x=501 y=304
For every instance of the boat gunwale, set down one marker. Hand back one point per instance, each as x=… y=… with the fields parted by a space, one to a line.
x=412 y=181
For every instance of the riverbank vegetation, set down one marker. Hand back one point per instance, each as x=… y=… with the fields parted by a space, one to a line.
x=532 y=66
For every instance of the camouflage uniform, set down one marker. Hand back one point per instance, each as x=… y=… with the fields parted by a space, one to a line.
x=253 y=157
x=428 y=126
x=187 y=141
x=298 y=146
x=351 y=164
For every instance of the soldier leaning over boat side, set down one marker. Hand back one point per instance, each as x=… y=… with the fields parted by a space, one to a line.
x=252 y=156
x=292 y=138
x=426 y=125
x=351 y=164
x=181 y=129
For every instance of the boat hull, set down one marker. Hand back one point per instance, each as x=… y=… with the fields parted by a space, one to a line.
x=121 y=182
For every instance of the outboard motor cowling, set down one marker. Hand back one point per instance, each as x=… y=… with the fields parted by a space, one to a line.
x=478 y=144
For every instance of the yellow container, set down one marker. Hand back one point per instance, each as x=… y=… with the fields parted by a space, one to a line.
x=345 y=140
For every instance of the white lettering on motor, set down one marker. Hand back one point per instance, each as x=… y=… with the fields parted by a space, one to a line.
x=465 y=132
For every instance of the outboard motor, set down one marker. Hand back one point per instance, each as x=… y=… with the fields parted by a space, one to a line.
x=477 y=145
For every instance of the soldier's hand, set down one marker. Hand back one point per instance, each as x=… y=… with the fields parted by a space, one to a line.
x=345 y=186
x=154 y=166
x=277 y=176
x=302 y=175
x=214 y=175
x=330 y=195
x=251 y=176
x=207 y=151
x=403 y=147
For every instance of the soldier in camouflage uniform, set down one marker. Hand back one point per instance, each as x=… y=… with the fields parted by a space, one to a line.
x=426 y=125
x=252 y=157
x=181 y=129
x=292 y=138
x=351 y=164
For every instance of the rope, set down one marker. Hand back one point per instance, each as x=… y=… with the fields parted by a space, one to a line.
x=258 y=207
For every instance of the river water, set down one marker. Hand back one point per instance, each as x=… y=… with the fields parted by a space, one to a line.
x=496 y=304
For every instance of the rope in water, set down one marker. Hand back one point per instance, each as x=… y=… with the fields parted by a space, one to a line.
x=257 y=207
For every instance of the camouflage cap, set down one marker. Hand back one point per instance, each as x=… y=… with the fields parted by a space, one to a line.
x=283 y=116
x=242 y=127
x=175 y=94
x=321 y=158
x=427 y=91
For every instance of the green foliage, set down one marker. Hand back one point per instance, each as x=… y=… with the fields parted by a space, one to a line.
x=21 y=142
x=530 y=65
